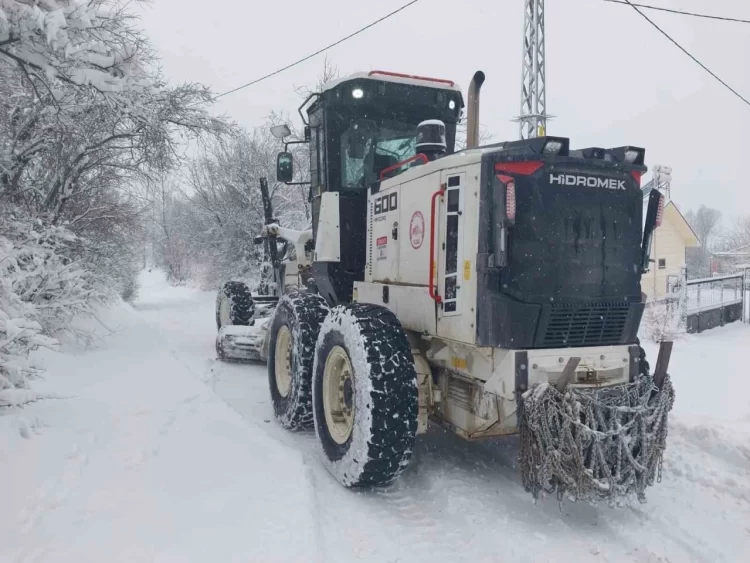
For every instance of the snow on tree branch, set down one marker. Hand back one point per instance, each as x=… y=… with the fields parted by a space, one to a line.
x=89 y=43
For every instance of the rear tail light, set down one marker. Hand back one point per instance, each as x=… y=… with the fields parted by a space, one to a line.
x=510 y=200
x=660 y=211
x=526 y=168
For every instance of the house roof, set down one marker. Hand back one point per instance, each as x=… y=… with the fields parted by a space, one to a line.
x=677 y=219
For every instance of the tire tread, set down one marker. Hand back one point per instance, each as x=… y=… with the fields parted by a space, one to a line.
x=394 y=401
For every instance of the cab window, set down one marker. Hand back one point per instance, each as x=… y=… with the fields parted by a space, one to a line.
x=367 y=147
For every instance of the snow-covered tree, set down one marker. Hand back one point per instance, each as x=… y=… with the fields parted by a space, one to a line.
x=85 y=116
x=43 y=287
x=92 y=44
x=737 y=235
x=86 y=120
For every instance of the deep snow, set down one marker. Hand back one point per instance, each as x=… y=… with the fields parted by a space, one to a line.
x=158 y=452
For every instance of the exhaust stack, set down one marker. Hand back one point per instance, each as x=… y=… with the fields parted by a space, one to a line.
x=472 y=120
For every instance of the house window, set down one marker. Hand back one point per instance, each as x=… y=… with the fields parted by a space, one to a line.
x=662 y=263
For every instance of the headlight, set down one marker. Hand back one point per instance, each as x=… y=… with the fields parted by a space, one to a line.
x=630 y=156
x=552 y=147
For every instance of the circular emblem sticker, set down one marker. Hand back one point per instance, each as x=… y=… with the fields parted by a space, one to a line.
x=416 y=230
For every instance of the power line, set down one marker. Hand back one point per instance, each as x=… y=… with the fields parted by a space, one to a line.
x=681 y=48
x=318 y=52
x=681 y=12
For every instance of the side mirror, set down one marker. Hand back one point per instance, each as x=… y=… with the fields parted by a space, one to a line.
x=284 y=167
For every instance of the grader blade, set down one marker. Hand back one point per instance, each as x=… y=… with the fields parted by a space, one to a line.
x=243 y=343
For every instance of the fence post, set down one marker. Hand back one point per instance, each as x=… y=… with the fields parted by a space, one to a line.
x=746 y=295
x=683 y=296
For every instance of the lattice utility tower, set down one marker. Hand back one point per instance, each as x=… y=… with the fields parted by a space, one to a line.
x=533 y=118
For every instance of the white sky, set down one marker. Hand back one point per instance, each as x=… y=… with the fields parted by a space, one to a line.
x=612 y=79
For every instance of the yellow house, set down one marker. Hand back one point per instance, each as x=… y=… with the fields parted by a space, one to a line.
x=670 y=243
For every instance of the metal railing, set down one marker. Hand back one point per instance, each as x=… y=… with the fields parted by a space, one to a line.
x=706 y=294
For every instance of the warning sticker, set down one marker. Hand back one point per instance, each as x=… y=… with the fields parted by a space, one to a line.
x=458 y=363
x=381 y=246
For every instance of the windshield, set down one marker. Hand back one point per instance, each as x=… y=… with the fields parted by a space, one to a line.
x=369 y=146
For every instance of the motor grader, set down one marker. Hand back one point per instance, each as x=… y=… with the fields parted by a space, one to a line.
x=493 y=290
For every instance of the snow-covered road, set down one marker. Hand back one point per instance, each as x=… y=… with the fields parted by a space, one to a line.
x=161 y=453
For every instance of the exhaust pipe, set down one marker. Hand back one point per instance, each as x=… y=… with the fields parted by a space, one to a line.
x=472 y=119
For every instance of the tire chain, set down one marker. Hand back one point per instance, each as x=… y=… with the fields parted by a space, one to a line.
x=594 y=444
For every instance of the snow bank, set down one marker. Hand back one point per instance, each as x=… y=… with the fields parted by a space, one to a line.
x=709 y=372
x=142 y=461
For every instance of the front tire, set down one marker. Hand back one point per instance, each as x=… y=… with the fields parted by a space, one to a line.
x=291 y=350
x=234 y=305
x=364 y=395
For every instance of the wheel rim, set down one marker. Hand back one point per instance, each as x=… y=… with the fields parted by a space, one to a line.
x=338 y=395
x=283 y=361
x=224 y=312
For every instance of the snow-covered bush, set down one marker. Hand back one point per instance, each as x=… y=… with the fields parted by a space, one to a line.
x=49 y=278
x=32 y=276
x=19 y=335
x=113 y=235
x=42 y=267
x=664 y=319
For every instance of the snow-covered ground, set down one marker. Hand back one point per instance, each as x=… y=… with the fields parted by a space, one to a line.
x=158 y=452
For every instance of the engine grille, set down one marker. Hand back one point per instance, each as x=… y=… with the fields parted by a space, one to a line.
x=593 y=324
x=460 y=393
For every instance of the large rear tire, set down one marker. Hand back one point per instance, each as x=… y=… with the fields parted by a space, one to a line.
x=364 y=395
x=291 y=351
x=234 y=305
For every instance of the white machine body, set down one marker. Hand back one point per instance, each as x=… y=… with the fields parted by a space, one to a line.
x=474 y=393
